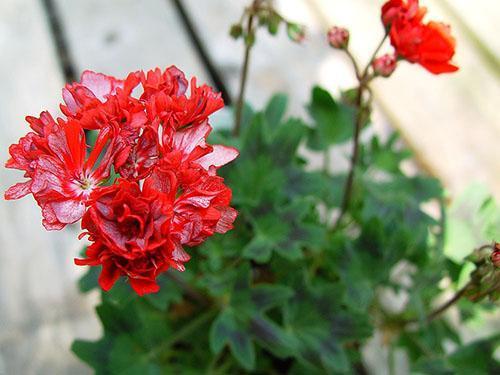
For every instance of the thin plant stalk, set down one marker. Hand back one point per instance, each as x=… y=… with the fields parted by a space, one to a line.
x=243 y=79
x=364 y=78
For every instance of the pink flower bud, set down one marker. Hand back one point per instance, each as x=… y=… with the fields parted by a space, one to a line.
x=384 y=65
x=495 y=255
x=338 y=37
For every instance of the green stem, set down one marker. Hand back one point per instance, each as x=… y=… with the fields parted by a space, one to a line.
x=354 y=157
x=374 y=54
x=364 y=79
x=244 y=77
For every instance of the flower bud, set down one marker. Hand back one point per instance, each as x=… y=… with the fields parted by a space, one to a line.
x=495 y=255
x=236 y=31
x=338 y=37
x=384 y=65
x=295 y=32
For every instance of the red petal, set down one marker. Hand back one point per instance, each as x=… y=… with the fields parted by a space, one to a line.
x=18 y=190
x=219 y=156
x=142 y=286
x=109 y=274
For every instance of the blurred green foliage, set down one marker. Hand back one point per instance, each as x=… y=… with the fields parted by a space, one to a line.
x=285 y=292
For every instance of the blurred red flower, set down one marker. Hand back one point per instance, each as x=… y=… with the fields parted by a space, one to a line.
x=428 y=44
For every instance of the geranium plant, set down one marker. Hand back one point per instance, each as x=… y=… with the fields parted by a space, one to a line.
x=290 y=276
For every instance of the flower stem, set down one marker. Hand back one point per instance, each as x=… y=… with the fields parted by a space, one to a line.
x=355 y=155
x=364 y=78
x=445 y=306
x=244 y=76
x=365 y=71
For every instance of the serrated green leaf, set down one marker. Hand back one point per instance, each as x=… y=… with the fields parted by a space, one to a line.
x=333 y=122
x=94 y=353
x=265 y=296
x=272 y=336
x=259 y=249
x=226 y=330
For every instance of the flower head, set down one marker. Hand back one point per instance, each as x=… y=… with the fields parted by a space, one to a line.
x=168 y=194
x=338 y=37
x=428 y=44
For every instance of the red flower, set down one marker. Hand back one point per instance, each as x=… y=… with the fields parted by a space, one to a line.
x=60 y=175
x=157 y=141
x=430 y=45
x=93 y=88
x=402 y=11
x=130 y=229
x=139 y=234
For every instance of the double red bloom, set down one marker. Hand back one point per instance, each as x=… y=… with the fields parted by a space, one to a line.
x=168 y=194
x=428 y=44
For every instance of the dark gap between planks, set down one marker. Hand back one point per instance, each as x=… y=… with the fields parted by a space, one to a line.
x=202 y=52
x=68 y=67
x=56 y=29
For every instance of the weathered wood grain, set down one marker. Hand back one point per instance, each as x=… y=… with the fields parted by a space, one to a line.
x=40 y=308
x=120 y=36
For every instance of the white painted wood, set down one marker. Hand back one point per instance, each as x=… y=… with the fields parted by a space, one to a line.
x=41 y=311
x=120 y=36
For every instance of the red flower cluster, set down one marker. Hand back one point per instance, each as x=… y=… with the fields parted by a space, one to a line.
x=428 y=44
x=167 y=193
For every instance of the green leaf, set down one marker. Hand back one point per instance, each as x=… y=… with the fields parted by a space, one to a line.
x=269 y=232
x=333 y=122
x=88 y=281
x=226 y=330
x=169 y=293
x=94 y=353
x=273 y=337
x=385 y=156
x=286 y=140
x=477 y=357
x=259 y=249
x=275 y=109
x=128 y=358
x=265 y=296
x=334 y=357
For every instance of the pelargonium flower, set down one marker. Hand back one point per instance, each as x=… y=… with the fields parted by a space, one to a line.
x=150 y=131
x=60 y=174
x=428 y=44
x=129 y=230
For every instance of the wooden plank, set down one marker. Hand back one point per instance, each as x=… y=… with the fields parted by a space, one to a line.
x=119 y=36
x=276 y=63
x=479 y=21
x=39 y=301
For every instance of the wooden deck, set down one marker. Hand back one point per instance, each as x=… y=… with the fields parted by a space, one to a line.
x=451 y=122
